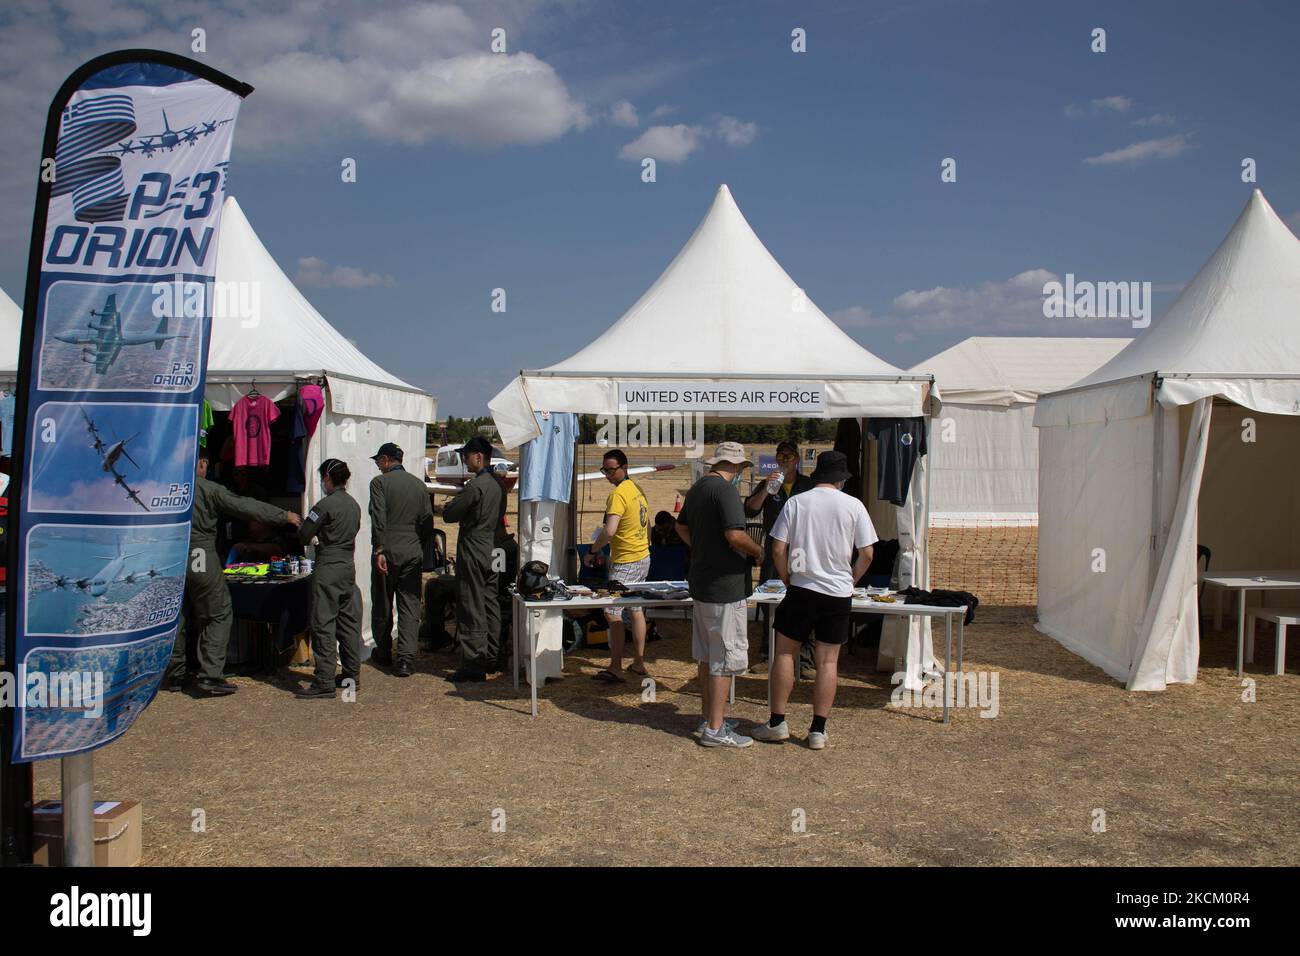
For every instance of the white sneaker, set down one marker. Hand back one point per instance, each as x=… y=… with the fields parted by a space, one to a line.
x=816 y=741
x=770 y=734
x=726 y=737
x=704 y=725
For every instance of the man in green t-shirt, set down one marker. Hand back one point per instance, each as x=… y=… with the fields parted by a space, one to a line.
x=627 y=531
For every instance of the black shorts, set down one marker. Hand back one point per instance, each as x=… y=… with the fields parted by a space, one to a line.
x=803 y=612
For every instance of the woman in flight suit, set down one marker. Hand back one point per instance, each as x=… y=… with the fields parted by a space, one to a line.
x=335 y=601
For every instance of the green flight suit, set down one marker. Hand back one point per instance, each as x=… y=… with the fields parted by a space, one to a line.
x=478 y=510
x=207 y=601
x=335 y=601
x=401 y=519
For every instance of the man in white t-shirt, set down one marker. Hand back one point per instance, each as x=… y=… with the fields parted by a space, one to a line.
x=813 y=543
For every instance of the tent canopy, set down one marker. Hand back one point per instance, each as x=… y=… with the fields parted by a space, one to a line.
x=268 y=331
x=11 y=323
x=1234 y=331
x=723 y=310
x=1012 y=370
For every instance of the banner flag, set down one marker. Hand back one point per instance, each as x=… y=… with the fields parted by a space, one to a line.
x=116 y=324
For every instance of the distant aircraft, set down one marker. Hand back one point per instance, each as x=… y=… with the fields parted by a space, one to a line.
x=106 y=340
x=114 y=573
x=111 y=454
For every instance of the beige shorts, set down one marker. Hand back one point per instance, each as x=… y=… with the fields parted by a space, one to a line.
x=720 y=637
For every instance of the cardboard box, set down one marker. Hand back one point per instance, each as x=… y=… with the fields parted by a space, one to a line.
x=118 y=837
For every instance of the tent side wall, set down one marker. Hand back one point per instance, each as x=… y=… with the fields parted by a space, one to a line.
x=1095 y=513
x=985 y=460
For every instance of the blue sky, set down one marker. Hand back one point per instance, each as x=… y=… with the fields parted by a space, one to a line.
x=477 y=172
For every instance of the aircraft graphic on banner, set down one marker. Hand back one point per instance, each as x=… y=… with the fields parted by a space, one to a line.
x=106 y=340
x=168 y=139
x=110 y=455
x=114 y=573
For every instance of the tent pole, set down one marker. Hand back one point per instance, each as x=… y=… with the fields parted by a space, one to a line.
x=1157 y=481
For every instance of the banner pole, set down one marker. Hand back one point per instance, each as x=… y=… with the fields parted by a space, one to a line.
x=78 y=773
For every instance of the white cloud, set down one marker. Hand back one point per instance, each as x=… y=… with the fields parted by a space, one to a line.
x=662 y=110
x=736 y=133
x=623 y=113
x=853 y=317
x=673 y=144
x=1105 y=104
x=1168 y=147
x=667 y=144
x=313 y=271
x=1156 y=119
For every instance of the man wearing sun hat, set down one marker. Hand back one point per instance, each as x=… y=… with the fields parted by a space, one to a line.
x=712 y=523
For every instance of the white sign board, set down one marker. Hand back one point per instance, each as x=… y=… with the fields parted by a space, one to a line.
x=794 y=398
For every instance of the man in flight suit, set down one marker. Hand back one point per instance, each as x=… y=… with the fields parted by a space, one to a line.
x=478 y=509
x=401 y=519
x=207 y=601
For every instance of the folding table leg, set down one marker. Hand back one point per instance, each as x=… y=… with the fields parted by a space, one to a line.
x=1241 y=628
x=514 y=640
x=532 y=658
x=1279 y=655
x=947 y=664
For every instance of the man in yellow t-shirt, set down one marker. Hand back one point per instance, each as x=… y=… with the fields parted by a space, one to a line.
x=627 y=531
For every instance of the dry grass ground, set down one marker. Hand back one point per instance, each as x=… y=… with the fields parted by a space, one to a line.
x=412 y=773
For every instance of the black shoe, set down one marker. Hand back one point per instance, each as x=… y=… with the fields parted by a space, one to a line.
x=466 y=675
x=402 y=669
x=215 y=688
x=174 y=686
x=314 y=691
x=381 y=658
x=340 y=678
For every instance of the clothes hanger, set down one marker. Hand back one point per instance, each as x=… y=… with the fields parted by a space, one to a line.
x=253 y=392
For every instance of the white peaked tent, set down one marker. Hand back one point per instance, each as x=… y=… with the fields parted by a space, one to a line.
x=11 y=322
x=265 y=331
x=725 y=312
x=1135 y=471
x=984 y=457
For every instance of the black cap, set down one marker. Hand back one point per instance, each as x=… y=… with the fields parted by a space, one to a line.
x=477 y=443
x=388 y=449
x=832 y=466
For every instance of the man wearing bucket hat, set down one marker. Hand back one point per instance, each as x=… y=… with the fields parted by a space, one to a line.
x=813 y=545
x=401 y=519
x=712 y=523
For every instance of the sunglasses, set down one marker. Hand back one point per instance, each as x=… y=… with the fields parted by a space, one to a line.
x=787 y=457
x=610 y=471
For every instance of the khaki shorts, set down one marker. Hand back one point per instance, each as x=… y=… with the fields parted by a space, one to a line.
x=720 y=637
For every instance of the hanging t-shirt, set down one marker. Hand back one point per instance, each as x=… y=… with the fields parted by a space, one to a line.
x=900 y=443
x=848 y=439
x=251 y=420
x=296 y=480
x=205 y=423
x=7 y=423
x=546 y=462
x=312 y=400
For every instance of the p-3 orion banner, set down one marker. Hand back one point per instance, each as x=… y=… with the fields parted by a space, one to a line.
x=116 y=325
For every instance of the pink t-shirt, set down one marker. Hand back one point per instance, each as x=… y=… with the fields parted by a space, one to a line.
x=251 y=420
x=312 y=401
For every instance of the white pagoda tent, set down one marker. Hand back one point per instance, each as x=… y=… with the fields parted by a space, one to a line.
x=1190 y=435
x=268 y=334
x=735 y=318
x=11 y=323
